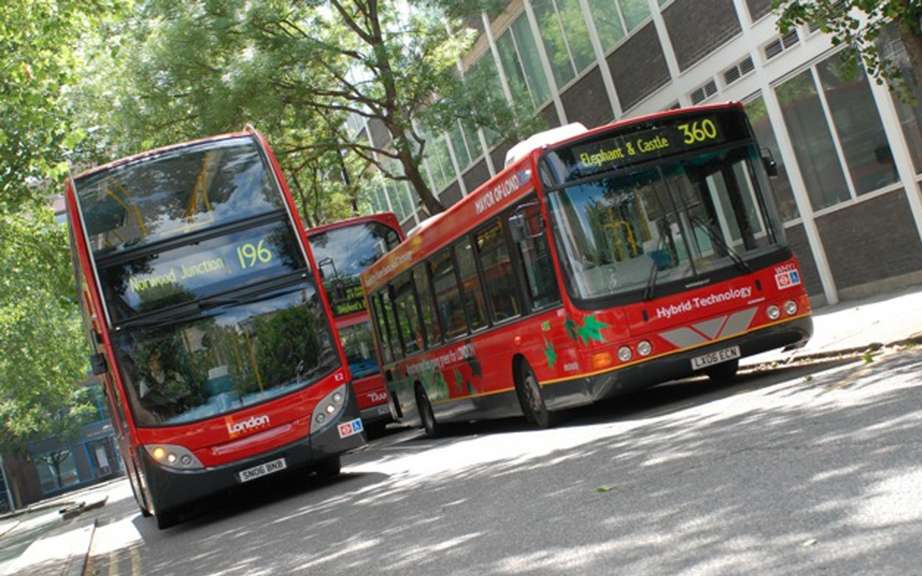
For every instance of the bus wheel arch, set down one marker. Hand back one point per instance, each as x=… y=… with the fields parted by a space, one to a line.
x=424 y=408
x=530 y=395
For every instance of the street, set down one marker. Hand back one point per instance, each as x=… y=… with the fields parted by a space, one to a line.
x=800 y=471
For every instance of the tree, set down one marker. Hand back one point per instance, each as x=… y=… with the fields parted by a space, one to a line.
x=37 y=40
x=296 y=70
x=863 y=24
x=43 y=354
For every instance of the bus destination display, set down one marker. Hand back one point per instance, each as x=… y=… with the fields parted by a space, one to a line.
x=667 y=139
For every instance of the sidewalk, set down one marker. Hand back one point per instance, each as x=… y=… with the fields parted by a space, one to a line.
x=857 y=324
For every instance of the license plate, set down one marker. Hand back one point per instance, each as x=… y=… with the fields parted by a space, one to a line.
x=715 y=357
x=262 y=470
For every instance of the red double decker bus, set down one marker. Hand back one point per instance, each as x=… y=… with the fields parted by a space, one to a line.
x=217 y=350
x=638 y=252
x=344 y=250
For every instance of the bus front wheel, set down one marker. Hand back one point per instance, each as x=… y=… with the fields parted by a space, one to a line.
x=166 y=518
x=425 y=412
x=723 y=373
x=329 y=468
x=531 y=398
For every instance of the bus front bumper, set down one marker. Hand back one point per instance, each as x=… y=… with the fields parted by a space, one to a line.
x=171 y=489
x=585 y=390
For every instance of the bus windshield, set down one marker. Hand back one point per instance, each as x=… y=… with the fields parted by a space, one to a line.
x=359 y=347
x=179 y=192
x=627 y=231
x=344 y=253
x=228 y=358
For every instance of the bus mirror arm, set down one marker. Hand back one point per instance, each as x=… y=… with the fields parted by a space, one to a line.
x=768 y=160
x=98 y=364
x=519 y=227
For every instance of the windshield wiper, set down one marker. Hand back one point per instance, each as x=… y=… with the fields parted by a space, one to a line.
x=737 y=259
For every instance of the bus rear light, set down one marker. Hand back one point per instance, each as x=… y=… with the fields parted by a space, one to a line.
x=172 y=456
x=790 y=307
x=625 y=354
x=601 y=360
x=773 y=312
x=331 y=405
x=644 y=348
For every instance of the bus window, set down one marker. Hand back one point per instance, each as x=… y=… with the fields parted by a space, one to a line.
x=473 y=294
x=430 y=319
x=392 y=337
x=381 y=325
x=447 y=295
x=498 y=276
x=408 y=317
x=528 y=231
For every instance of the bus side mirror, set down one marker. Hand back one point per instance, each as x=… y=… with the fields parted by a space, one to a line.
x=98 y=364
x=518 y=223
x=768 y=160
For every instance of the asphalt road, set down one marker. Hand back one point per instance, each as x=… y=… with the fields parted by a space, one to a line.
x=805 y=471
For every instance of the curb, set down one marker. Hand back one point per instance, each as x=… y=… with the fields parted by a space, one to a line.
x=10 y=528
x=84 y=563
x=840 y=354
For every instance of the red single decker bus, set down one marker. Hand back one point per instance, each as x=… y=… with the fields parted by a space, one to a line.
x=634 y=253
x=343 y=250
x=217 y=351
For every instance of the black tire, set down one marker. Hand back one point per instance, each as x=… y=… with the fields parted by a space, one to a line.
x=166 y=518
x=723 y=373
x=531 y=398
x=135 y=481
x=329 y=468
x=425 y=412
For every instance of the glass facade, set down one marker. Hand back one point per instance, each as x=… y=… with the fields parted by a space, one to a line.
x=832 y=117
x=829 y=142
x=565 y=37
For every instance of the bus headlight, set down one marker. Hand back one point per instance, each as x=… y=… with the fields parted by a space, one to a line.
x=330 y=406
x=172 y=456
x=773 y=312
x=644 y=348
x=790 y=307
x=625 y=354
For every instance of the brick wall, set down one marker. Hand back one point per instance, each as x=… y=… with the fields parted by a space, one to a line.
x=697 y=27
x=871 y=241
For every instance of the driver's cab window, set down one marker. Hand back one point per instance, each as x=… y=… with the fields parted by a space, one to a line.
x=527 y=226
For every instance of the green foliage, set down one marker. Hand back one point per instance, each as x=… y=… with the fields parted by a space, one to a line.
x=37 y=40
x=296 y=70
x=42 y=346
x=865 y=25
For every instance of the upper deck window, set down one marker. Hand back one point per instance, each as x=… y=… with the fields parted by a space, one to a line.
x=178 y=192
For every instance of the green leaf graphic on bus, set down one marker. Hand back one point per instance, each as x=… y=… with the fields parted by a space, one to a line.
x=592 y=330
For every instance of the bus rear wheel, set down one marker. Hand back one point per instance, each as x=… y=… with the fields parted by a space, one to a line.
x=425 y=412
x=531 y=398
x=723 y=373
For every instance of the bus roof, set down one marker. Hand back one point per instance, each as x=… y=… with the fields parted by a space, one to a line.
x=388 y=218
x=489 y=199
x=162 y=150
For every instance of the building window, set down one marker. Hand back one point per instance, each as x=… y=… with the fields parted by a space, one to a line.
x=765 y=134
x=615 y=19
x=56 y=469
x=519 y=55
x=910 y=116
x=858 y=126
x=565 y=37
x=439 y=160
x=832 y=120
